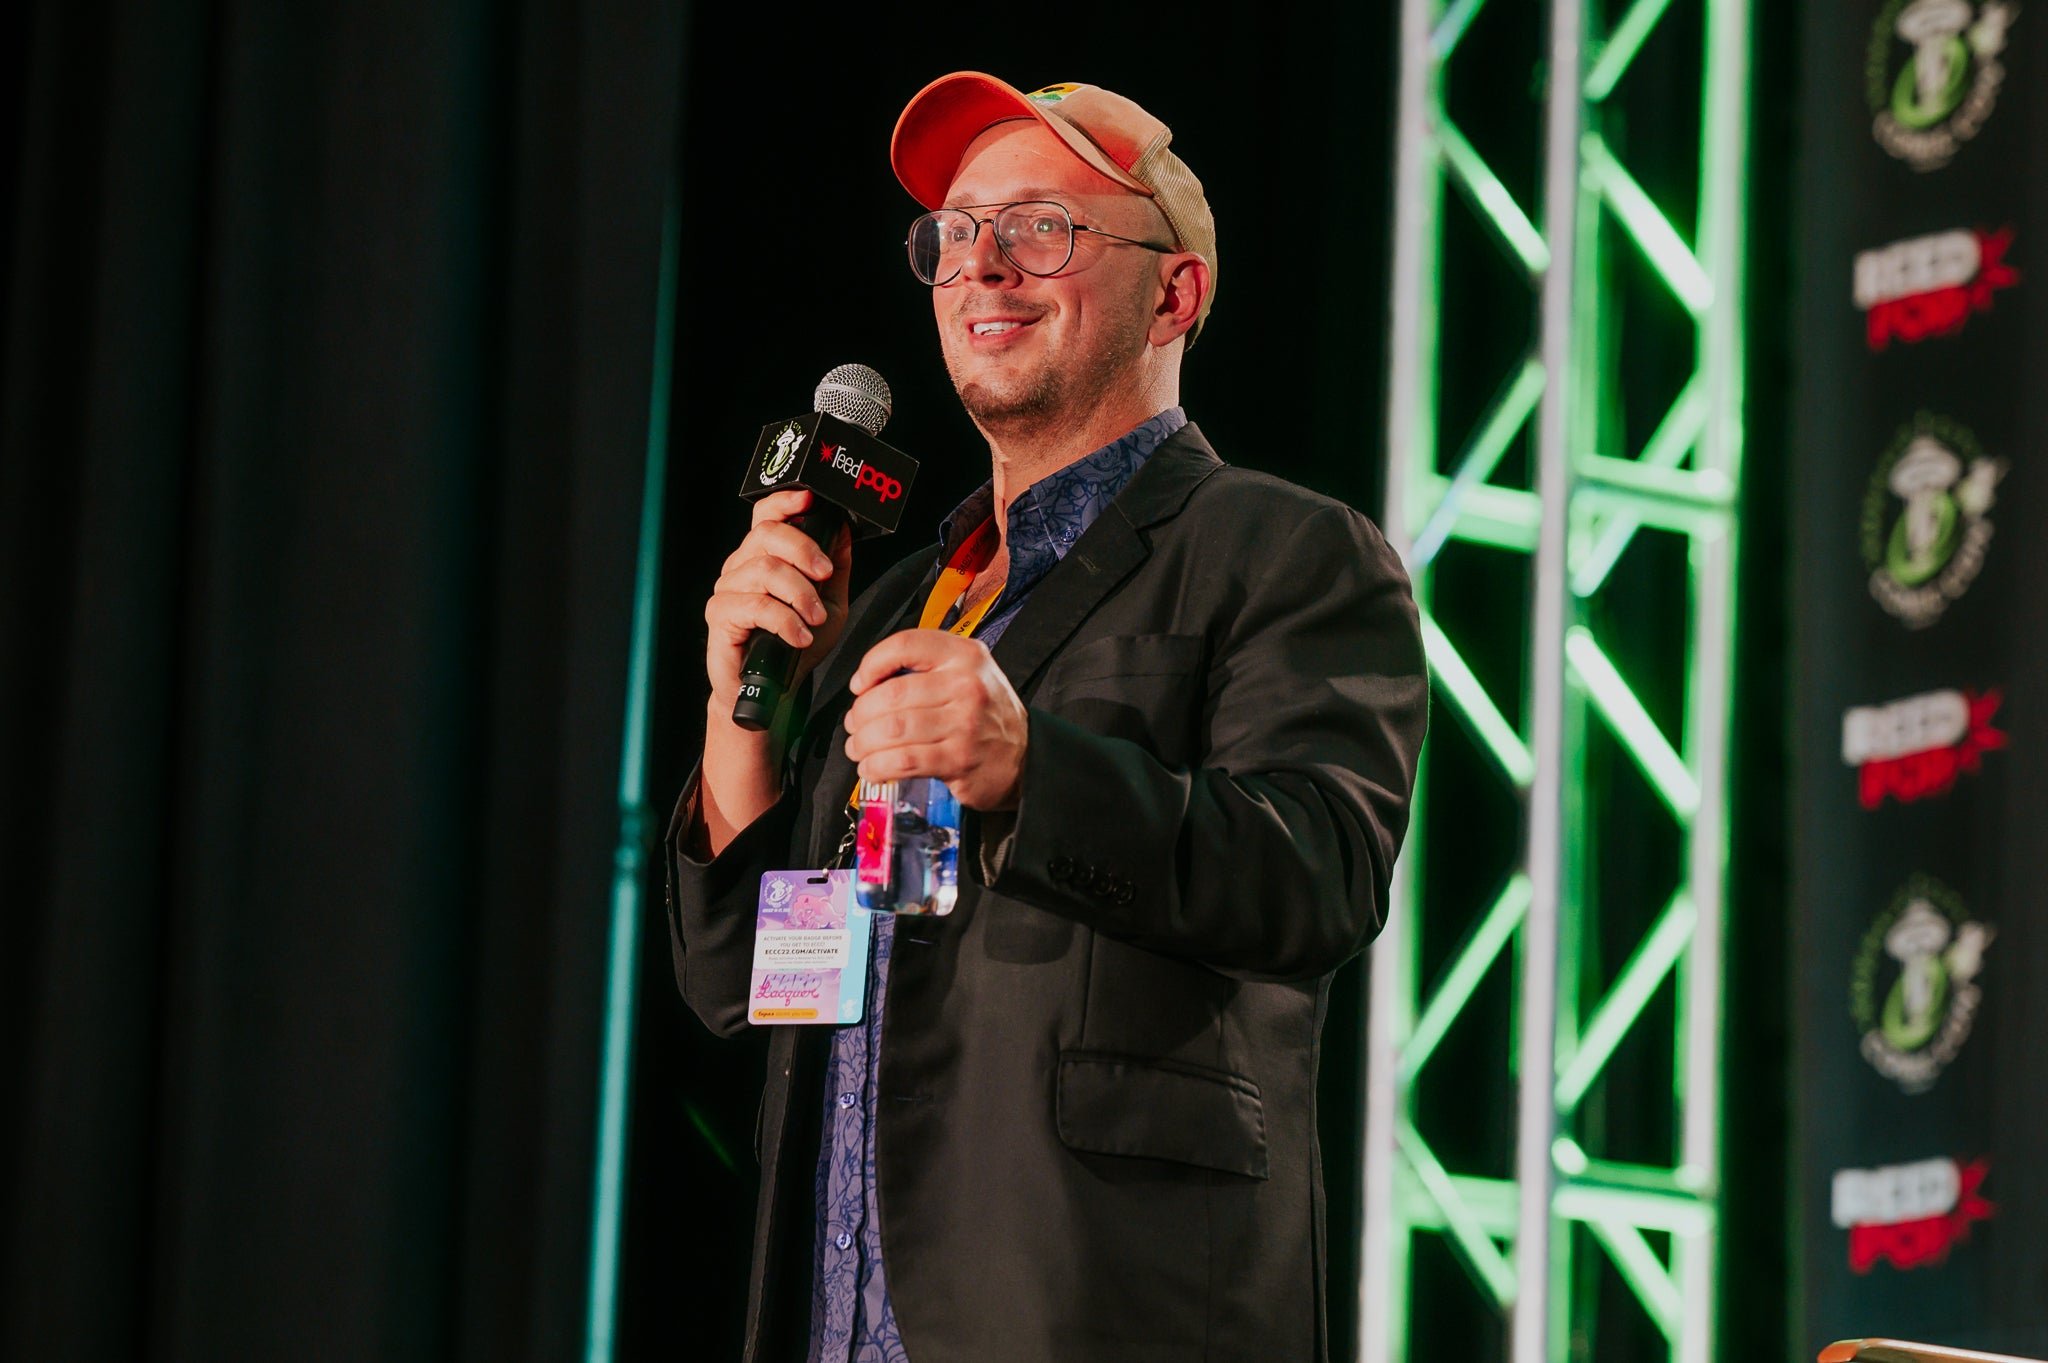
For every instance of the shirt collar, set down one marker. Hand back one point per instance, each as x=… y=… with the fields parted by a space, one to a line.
x=1053 y=512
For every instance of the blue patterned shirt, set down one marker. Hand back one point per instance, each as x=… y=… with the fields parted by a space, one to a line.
x=851 y=1318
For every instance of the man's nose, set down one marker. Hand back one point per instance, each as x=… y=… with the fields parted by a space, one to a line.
x=986 y=263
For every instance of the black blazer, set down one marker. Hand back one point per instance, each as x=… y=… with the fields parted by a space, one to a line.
x=1096 y=1126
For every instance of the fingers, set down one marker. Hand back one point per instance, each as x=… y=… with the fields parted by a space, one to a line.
x=980 y=776
x=733 y=616
x=780 y=581
x=781 y=506
x=908 y=691
x=778 y=540
x=774 y=577
x=914 y=708
x=916 y=650
x=917 y=759
x=934 y=704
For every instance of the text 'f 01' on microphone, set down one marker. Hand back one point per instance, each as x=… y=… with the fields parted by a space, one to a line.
x=853 y=478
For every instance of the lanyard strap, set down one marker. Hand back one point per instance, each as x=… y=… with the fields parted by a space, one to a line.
x=962 y=567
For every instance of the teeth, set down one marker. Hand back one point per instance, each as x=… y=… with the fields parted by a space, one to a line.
x=994 y=328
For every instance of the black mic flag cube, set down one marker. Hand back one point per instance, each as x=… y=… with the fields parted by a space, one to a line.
x=840 y=463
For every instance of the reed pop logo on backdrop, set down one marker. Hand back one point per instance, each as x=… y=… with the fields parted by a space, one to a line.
x=1913 y=989
x=1918 y=747
x=1932 y=75
x=1909 y=1215
x=1931 y=285
x=1927 y=518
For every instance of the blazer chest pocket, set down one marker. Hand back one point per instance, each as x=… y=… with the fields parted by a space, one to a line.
x=1125 y=1105
x=1146 y=687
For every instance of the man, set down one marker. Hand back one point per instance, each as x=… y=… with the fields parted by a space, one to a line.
x=1181 y=705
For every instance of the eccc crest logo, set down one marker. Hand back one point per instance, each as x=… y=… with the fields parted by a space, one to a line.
x=1927 y=518
x=1933 y=73
x=788 y=441
x=1913 y=989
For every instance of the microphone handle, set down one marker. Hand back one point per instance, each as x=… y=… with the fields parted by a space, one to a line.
x=764 y=678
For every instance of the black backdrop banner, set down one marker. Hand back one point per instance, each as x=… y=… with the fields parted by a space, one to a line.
x=1920 y=471
x=328 y=334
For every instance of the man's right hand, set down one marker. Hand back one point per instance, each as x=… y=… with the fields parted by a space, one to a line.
x=779 y=581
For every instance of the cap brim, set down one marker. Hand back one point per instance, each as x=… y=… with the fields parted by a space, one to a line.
x=935 y=128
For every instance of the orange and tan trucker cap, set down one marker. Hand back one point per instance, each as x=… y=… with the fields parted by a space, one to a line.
x=1109 y=132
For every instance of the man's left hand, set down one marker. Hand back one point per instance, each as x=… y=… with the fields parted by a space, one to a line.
x=935 y=704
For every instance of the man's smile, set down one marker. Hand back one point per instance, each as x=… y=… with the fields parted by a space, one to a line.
x=995 y=323
x=990 y=333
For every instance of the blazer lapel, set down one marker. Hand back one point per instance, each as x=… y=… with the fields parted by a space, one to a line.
x=1107 y=553
x=1102 y=558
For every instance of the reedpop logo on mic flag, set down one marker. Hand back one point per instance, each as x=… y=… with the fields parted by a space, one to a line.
x=864 y=474
x=847 y=468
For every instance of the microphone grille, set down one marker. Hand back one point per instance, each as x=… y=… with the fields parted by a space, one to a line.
x=855 y=393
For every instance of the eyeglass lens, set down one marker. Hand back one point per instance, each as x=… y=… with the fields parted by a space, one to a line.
x=1038 y=238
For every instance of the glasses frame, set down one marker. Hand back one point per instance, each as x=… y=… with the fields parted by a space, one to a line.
x=1004 y=247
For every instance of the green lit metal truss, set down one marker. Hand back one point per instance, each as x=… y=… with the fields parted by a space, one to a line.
x=1530 y=1236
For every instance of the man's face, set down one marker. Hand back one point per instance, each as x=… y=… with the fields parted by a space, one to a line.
x=1024 y=348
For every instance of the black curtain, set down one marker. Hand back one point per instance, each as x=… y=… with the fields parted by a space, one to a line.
x=327 y=346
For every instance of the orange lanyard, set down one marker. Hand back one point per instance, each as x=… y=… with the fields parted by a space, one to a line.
x=973 y=556
x=970 y=559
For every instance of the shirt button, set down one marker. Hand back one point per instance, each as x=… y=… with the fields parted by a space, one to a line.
x=845 y=1238
x=846 y=1100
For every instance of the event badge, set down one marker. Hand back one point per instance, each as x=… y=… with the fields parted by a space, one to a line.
x=810 y=950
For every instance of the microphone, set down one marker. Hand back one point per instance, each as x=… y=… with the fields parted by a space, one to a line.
x=854 y=480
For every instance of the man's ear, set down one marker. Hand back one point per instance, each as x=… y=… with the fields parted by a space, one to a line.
x=1184 y=283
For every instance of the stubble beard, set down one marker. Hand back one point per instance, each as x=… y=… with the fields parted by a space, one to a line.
x=1061 y=386
x=1014 y=401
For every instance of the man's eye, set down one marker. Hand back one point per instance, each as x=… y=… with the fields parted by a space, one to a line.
x=1047 y=226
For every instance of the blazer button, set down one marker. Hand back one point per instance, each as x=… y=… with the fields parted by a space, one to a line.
x=1060 y=869
x=1125 y=893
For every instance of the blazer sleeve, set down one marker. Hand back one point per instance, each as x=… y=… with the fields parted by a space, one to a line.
x=711 y=903
x=1270 y=860
x=711 y=906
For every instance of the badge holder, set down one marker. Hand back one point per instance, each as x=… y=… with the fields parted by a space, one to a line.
x=810 y=950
